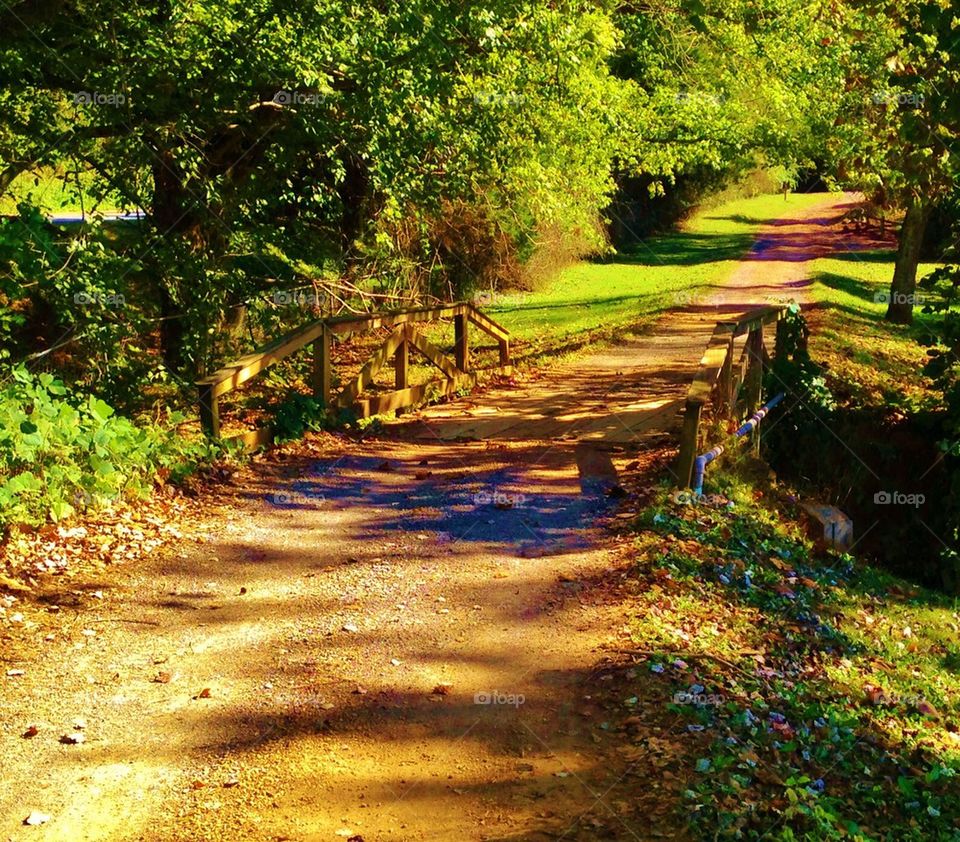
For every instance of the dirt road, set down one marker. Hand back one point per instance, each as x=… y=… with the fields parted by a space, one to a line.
x=392 y=639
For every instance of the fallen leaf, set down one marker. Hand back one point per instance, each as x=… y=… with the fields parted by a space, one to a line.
x=36 y=818
x=162 y=678
x=31 y=732
x=203 y=694
x=442 y=689
x=74 y=739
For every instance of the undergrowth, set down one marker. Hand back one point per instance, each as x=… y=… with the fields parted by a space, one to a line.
x=827 y=689
x=61 y=453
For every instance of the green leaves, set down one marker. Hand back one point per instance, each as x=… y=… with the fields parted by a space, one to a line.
x=57 y=457
x=99 y=409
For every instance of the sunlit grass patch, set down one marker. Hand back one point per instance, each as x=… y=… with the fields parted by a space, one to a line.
x=872 y=361
x=661 y=272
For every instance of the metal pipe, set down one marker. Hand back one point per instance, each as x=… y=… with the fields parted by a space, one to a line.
x=752 y=423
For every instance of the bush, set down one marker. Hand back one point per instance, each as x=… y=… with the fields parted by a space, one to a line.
x=61 y=453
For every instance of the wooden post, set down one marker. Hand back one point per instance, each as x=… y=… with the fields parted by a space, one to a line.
x=689 y=441
x=754 y=379
x=209 y=411
x=461 y=342
x=725 y=383
x=321 y=367
x=780 y=343
x=401 y=360
x=504 y=352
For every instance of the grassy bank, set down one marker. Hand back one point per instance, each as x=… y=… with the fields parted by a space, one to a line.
x=870 y=361
x=826 y=691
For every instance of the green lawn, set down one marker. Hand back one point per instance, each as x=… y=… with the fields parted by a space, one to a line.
x=55 y=192
x=877 y=363
x=660 y=273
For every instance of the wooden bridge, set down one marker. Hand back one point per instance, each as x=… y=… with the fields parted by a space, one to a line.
x=458 y=372
x=618 y=399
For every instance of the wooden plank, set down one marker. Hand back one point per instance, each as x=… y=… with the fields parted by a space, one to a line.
x=461 y=329
x=725 y=383
x=369 y=371
x=758 y=318
x=322 y=367
x=754 y=378
x=780 y=342
x=487 y=325
x=254 y=439
x=711 y=364
x=401 y=361
x=353 y=324
x=391 y=401
x=432 y=352
x=228 y=378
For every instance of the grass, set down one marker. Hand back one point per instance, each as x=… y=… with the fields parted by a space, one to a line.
x=870 y=361
x=58 y=191
x=845 y=725
x=631 y=289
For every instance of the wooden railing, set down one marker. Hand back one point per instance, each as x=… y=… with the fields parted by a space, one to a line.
x=457 y=372
x=733 y=388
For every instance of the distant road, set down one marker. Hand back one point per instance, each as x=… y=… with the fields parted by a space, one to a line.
x=77 y=218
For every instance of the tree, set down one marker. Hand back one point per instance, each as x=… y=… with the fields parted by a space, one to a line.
x=902 y=129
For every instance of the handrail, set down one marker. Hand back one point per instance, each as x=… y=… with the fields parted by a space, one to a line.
x=318 y=333
x=719 y=379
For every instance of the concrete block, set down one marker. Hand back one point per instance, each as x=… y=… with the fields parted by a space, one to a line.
x=837 y=527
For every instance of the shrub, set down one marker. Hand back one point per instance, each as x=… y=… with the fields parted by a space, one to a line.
x=60 y=453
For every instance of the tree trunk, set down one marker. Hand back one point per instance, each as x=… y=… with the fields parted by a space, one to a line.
x=172 y=215
x=903 y=287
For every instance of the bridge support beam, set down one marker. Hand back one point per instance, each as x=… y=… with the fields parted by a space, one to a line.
x=321 y=367
x=461 y=328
